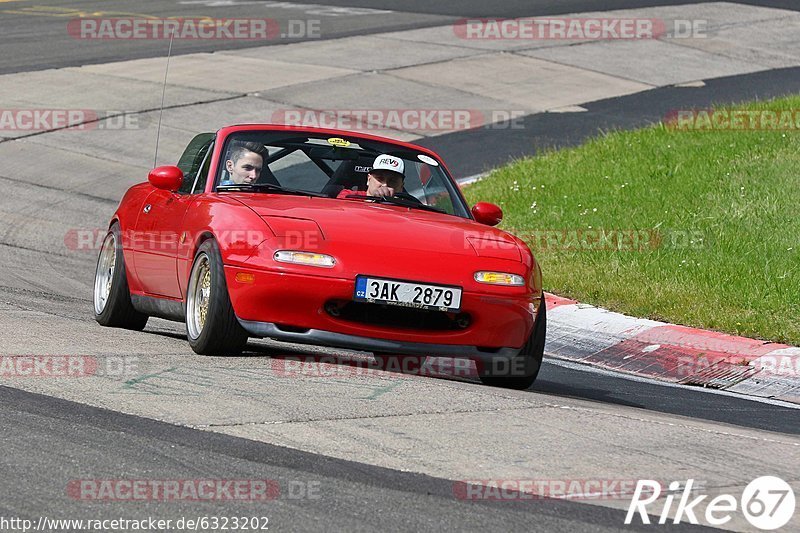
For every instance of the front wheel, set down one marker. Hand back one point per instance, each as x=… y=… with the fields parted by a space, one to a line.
x=522 y=370
x=112 y=298
x=211 y=325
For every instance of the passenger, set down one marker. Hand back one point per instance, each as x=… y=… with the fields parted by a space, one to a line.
x=244 y=163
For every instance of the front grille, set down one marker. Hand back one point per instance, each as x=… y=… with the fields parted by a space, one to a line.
x=397 y=317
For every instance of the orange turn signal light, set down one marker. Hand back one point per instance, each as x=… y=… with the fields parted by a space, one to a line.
x=245 y=277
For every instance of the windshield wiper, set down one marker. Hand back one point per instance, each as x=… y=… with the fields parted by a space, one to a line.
x=269 y=187
x=399 y=200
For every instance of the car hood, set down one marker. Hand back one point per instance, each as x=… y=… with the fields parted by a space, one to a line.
x=348 y=223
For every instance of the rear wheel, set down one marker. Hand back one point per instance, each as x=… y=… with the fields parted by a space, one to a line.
x=211 y=325
x=524 y=367
x=112 y=298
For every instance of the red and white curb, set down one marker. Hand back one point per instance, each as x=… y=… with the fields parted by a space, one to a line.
x=590 y=335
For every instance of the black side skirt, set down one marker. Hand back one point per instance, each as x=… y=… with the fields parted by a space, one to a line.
x=159 y=307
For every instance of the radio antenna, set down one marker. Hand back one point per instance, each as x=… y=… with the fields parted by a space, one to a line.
x=163 y=93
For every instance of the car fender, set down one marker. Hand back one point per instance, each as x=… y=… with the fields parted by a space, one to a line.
x=237 y=230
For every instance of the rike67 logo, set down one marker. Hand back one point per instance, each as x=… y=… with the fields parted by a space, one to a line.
x=767 y=503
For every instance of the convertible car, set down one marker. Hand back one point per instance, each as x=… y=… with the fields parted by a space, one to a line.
x=269 y=231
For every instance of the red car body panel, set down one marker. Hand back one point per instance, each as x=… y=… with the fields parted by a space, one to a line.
x=154 y=259
x=162 y=231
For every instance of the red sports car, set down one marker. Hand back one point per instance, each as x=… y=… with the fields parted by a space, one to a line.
x=322 y=237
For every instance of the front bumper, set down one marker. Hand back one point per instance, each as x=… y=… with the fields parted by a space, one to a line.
x=353 y=342
x=291 y=306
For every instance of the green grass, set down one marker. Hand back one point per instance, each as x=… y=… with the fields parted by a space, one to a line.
x=736 y=194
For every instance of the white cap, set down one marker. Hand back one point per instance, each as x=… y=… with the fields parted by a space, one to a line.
x=388 y=162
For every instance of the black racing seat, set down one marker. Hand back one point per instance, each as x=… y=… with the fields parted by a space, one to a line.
x=267 y=176
x=351 y=174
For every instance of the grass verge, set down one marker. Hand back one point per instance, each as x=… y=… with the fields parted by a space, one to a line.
x=700 y=228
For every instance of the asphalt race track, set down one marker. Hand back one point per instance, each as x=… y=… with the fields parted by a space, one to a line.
x=356 y=497
x=350 y=451
x=32 y=34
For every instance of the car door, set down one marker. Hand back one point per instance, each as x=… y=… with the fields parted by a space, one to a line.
x=160 y=222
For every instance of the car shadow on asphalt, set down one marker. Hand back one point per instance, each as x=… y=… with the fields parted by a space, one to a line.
x=364 y=363
x=561 y=389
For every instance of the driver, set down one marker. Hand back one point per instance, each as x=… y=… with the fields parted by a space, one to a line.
x=385 y=179
x=244 y=163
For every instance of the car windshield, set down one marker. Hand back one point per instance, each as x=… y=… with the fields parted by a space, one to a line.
x=334 y=167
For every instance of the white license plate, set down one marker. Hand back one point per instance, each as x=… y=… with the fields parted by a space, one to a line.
x=408 y=294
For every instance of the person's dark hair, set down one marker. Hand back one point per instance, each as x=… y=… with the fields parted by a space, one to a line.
x=238 y=148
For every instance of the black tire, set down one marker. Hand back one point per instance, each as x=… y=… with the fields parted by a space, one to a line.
x=529 y=359
x=219 y=332
x=112 y=304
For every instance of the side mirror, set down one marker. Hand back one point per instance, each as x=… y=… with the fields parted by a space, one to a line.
x=487 y=213
x=168 y=178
